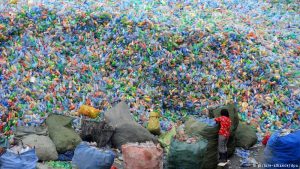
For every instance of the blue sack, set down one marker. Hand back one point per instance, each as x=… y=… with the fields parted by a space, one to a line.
x=88 y=157
x=283 y=151
x=26 y=160
x=67 y=156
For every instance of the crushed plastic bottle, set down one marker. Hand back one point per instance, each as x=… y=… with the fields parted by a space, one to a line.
x=242 y=153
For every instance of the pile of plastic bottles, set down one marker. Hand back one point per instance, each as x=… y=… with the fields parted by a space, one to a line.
x=246 y=160
x=177 y=57
x=208 y=121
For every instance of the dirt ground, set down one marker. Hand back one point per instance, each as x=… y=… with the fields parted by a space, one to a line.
x=257 y=152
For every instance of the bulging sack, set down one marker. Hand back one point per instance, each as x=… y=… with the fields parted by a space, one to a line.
x=25 y=160
x=208 y=132
x=22 y=131
x=154 y=125
x=88 y=111
x=283 y=149
x=100 y=132
x=88 y=157
x=61 y=133
x=165 y=138
x=185 y=155
x=45 y=148
x=142 y=156
x=126 y=129
x=245 y=136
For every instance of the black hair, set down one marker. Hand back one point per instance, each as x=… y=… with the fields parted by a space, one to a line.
x=224 y=112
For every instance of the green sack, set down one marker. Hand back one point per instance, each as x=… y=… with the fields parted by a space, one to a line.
x=61 y=133
x=165 y=138
x=231 y=144
x=233 y=114
x=186 y=156
x=22 y=131
x=54 y=120
x=245 y=136
x=210 y=133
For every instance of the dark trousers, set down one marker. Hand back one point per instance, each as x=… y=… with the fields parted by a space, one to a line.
x=222 y=144
x=222 y=148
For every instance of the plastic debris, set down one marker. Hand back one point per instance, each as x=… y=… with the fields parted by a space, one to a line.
x=266 y=139
x=242 y=153
x=177 y=57
x=249 y=162
x=60 y=164
x=246 y=160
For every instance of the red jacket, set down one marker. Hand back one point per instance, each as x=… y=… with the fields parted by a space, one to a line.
x=225 y=123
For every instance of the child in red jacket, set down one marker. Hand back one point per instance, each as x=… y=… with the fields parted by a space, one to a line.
x=224 y=134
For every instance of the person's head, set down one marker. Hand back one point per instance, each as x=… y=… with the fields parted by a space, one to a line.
x=224 y=112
